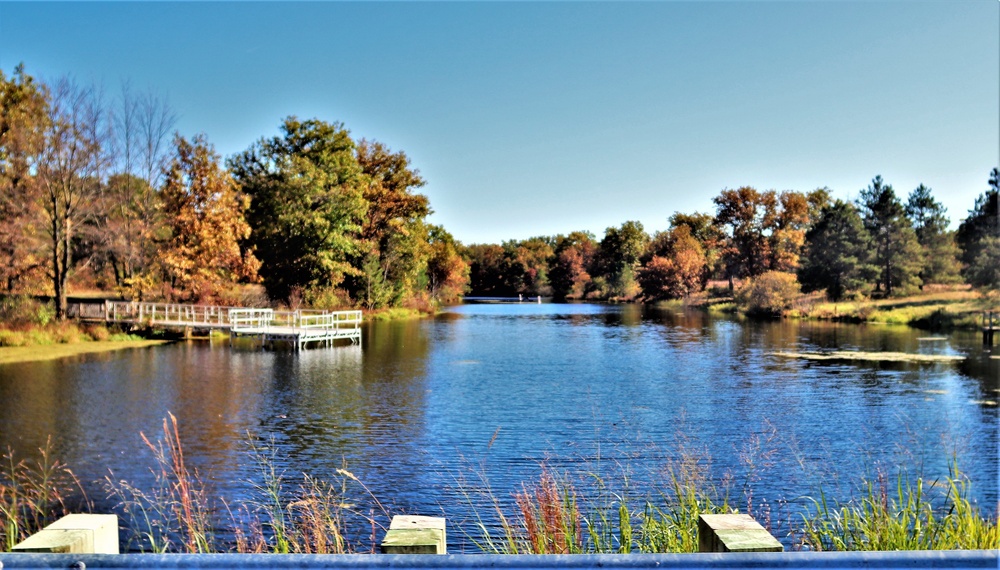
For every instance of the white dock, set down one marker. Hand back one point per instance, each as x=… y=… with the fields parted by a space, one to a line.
x=298 y=328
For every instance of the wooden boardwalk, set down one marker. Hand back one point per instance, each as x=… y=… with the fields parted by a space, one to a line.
x=298 y=328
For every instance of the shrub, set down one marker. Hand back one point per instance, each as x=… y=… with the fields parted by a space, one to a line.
x=12 y=338
x=21 y=310
x=768 y=294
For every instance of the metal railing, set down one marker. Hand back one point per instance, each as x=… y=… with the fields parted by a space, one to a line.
x=789 y=560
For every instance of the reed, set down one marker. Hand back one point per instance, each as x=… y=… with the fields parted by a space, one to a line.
x=902 y=517
x=176 y=514
x=33 y=493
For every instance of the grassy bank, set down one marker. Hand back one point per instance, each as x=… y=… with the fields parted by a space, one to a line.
x=941 y=310
x=25 y=341
x=36 y=353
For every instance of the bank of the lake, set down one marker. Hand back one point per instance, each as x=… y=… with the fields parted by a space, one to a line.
x=947 y=310
x=43 y=352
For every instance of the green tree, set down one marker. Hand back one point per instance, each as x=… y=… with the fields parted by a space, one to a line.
x=307 y=205
x=486 y=271
x=897 y=252
x=940 y=252
x=619 y=253
x=204 y=210
x=984 y=271
x=837 y=252
x=982 y=223
x=393 y=230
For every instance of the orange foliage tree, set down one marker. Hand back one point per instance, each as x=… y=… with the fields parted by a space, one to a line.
x=205 y=212
x=673 y=265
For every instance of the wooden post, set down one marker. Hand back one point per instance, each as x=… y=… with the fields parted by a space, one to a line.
x=76 y=534
x=414 y=534
x=734 y=533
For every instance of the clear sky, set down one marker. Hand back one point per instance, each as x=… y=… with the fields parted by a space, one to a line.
x=542 y=118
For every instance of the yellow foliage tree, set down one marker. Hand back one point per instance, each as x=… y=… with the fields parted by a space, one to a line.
x=205 y=211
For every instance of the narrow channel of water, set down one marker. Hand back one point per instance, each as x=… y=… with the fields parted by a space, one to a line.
x=425 y=410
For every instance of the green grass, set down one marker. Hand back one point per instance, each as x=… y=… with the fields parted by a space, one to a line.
x=38 y=353
x=902 y=517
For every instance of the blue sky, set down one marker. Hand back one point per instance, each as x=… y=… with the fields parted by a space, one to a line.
x=542 y=118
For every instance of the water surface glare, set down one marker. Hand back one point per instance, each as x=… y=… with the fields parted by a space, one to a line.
x=425 y=410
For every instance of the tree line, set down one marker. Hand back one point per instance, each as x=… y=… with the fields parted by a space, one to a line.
x=878 y=245
x=96 y=192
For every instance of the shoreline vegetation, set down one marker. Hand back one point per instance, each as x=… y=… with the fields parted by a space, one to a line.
x=552 y=514
x=31 y=335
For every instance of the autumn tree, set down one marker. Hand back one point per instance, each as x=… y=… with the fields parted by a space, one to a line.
x=69 y=177
x=526 y=265
x=307 y=205
x=393 y=234
x=486 y=270
x=24 y=120
x=837 y=254
x=204 y=210
x=788 y=231
x=979 y=235
x=897 y=252
x=447 y=271
x=748 y=216
x=710 y=236
x=940 y=252
x=569 y=271
x=673 y=265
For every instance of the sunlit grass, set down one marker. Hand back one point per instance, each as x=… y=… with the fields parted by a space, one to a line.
x=902 y=517
x=179 y=513
x=940 y=309
x=36 y=353
x=33 y=493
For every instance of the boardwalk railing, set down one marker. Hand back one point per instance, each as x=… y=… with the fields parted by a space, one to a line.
x=168 y=313
x=298 y=327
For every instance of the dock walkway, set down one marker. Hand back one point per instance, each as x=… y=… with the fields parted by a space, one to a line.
x=299 y=328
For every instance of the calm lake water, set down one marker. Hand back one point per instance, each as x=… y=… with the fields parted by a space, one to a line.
x=425 y=410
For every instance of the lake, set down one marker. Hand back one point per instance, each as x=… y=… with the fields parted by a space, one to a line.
x=424 y=411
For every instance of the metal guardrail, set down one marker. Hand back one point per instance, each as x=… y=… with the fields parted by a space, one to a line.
x=782 y=560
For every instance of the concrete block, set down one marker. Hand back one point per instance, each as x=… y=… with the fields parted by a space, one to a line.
x=76 y=534
x=734 y=533
x=415 y=534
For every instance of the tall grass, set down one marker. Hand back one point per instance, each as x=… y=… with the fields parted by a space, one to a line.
x=902 y=517
x=549 y=516
x=33 y=493
x=178 y=514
